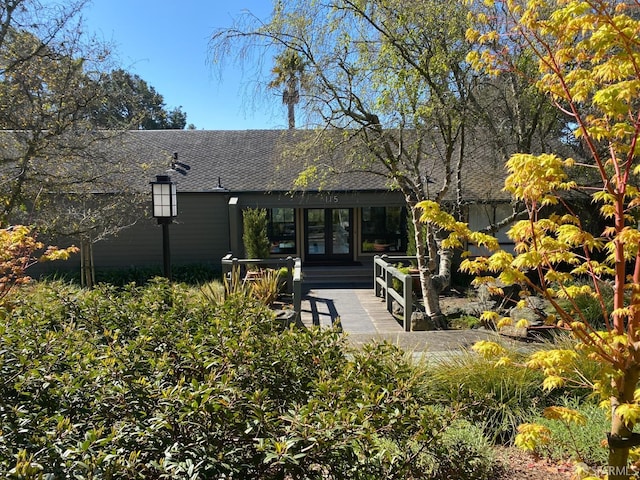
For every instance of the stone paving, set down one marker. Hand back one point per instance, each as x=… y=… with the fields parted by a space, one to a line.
x=364 y=318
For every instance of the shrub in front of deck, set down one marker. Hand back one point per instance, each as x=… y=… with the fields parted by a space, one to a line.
x=154 y=382
x=497 y=397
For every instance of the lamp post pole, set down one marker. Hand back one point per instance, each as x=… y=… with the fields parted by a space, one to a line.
x=166 y=250
x=164 y=200
x=165 y=207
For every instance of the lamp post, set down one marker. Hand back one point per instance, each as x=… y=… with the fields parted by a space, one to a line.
x=165 y=207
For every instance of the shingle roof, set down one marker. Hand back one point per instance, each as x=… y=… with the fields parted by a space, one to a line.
x=252 y=161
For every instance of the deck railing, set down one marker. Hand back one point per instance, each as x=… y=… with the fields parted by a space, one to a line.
x=294 y=273
x=384 y=272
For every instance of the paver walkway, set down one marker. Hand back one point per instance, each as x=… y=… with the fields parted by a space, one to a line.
x=364 y=317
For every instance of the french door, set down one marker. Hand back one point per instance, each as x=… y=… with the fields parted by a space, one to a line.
x=328 y=234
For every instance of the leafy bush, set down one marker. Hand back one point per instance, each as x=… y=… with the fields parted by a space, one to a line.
x=19 y=250
x=470 y=455
x=194 y=274
x=501 y=392
x=266 y=286
x=465 y=322
x=157 y=382
x=589 y=306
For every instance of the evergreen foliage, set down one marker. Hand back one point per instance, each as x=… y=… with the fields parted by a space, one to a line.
x=156 y=382
x=254 y=237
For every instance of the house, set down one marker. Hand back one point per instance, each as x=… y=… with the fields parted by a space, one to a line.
x=345 y=219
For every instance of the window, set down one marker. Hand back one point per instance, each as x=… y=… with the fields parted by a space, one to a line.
x=384 y=229
x=281 y=230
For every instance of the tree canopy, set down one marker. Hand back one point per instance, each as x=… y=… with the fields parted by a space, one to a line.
x=288 y=73
x=129 y=102
x=55 y=152
x=61 y=107
x=391 y=79
x=587 y=64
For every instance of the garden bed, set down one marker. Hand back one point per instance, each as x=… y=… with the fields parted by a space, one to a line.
x=514 y=464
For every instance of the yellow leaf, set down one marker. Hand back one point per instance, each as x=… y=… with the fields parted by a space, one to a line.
x=552 y=382
x=504 y=322
x=488 y=349
x=564 y=414
x=489 y=316
x=629 y=413
x=530 y=435
x=504 y=362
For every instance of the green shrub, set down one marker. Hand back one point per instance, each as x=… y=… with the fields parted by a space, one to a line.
x=590 y=307
x=194 y=274
x=464 y=322
x=266 y=286
x=502 y=396
x=396 y=283
x=156 y=382
x=470 y=453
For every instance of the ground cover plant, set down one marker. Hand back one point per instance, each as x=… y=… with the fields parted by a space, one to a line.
x=156 y=381
x=580 y=441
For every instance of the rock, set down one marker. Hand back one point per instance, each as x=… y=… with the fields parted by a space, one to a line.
x=509 y=297
x=420 y=322
x=534 y=312
x=476 y=309
x=516 y=332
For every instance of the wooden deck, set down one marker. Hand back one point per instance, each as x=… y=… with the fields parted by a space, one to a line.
x=364 y=318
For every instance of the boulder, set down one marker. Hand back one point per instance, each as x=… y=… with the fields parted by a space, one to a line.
x=420 y=322
x=534 y=312
x=509 y=297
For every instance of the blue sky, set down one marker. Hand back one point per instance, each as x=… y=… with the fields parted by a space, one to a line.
x=165 y=42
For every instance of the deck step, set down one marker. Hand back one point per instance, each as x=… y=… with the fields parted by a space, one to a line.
x=360 y=275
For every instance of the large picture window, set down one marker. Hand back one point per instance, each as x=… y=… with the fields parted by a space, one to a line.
x=281 y=230
x=384 y=229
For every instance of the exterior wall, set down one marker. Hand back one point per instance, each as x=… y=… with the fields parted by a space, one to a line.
x=209 y=226
x=353 y=200
x=198 y=235
x=481 y=215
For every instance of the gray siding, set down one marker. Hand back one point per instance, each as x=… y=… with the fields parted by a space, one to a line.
x=198 y=235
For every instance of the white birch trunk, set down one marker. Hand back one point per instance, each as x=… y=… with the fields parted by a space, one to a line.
x=432 y=283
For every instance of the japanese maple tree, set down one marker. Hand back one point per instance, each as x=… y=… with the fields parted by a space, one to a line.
x=588 y=55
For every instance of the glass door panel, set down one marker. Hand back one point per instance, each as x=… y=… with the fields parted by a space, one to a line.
x=316 y=241
x=340 y=231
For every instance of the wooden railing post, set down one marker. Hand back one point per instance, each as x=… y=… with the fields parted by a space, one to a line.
x=388 y=282
x=290 y=264
x=408 y=301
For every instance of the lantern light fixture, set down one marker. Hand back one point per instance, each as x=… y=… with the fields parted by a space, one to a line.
x=164 y=199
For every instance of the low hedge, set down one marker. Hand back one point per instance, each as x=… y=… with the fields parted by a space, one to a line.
x=155 y=382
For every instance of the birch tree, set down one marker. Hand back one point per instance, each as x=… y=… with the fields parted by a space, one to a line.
x=388 y=79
